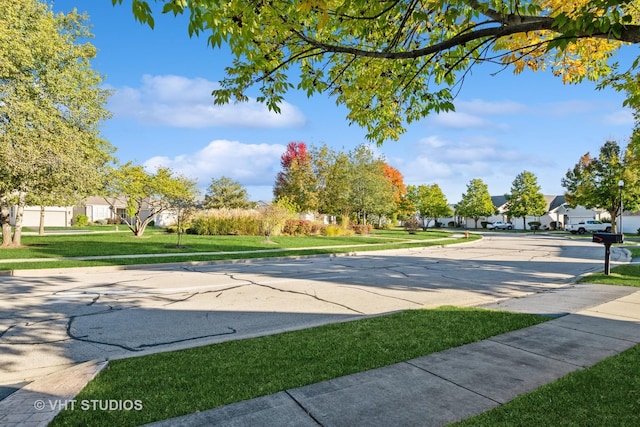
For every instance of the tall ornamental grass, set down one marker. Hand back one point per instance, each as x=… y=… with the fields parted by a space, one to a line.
x=224 y=222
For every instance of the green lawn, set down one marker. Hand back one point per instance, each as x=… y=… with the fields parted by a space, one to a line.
x=622 y=275
x=197 y=248
x=607 y=394
x=182 y=382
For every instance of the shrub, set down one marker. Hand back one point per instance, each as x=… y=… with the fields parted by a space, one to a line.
x=297 y=227
x=411 y=225
x=451 y=224
x=336 y=230
x=484 y=224
x=362 y=229
x=101 y=222
x=534 y=225
x=317 y=228
x=80 y=220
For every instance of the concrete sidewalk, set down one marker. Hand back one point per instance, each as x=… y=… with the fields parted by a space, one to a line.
x=593 y=323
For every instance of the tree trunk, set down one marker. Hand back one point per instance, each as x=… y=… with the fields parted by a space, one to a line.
x=5 y=217
x=41 y=227
x=17 y=231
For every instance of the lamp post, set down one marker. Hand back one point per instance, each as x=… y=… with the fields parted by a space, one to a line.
x=621 y=186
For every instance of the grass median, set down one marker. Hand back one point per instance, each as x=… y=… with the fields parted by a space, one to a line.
x=120 y=248
x=182 y=382
x=622 y=275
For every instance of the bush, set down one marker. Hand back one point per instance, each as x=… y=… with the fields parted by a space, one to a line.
x=451 y=224
x=336 y=230
x=298 y=227
x=361 y=229
x=534 y=225
x=411 y=225
x=484 y=224
x=101 y=222
x=317 y=229
x=80 y=220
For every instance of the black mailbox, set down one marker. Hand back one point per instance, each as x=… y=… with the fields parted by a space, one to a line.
x=607 y=238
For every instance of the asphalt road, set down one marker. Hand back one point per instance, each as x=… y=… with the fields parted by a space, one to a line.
x=50 y=320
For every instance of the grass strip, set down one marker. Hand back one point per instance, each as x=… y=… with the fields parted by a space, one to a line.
x=622 y=275
x=182 y=382
x=607 y=394
x=228 y=250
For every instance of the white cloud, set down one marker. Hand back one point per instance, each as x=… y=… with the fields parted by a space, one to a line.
x=452 y=164
x=459 y=120
x=569 y=107
x=471 y=114
x=177 y=101
x=620 y=117
x=249 y=164
x=478 y=106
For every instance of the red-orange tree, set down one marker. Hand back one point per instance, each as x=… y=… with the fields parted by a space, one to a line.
x=296 y=180
x=396 y=181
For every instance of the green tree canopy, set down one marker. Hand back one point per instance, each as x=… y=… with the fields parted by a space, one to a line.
x=430 y=202
x=333 y=173
x=476 y=201
x=393 y=62
x=593 y=181
x=370 y=189
x=149 y=194
x=51 y=109
x=526 y=198
x=224 y=192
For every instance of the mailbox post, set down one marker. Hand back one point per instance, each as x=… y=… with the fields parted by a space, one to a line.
x=607 y=239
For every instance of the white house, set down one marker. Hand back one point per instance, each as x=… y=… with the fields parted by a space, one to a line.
x=54 y=216
x=98 y=208
x=556 y=216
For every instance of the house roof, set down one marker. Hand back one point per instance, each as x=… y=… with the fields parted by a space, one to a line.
x=100 y=201
x=553 y=202
x=498 y=201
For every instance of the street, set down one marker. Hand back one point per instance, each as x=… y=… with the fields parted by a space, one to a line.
x=52 y=319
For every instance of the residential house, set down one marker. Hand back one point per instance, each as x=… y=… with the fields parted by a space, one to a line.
x=99 y=208
x=54 y=216
x=556 y=216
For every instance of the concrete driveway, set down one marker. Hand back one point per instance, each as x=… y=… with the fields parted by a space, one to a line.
x=52 y=319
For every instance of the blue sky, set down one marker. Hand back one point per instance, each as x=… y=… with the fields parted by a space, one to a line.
x=163 y=114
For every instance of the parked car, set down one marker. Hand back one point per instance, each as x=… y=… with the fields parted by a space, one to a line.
x=500 y=225
x=590 y=225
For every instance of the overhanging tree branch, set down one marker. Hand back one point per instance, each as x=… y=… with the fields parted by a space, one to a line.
x=630 y=34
